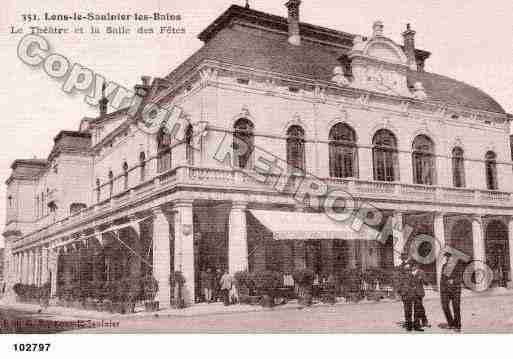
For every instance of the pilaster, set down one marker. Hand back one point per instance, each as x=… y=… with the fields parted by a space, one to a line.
x=439 y=230
x=237 y=238
x=161 y=257
x=184 y=246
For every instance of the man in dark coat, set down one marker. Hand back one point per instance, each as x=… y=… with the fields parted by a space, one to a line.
x=417 y=293
x=450 y=293
x=403 y=281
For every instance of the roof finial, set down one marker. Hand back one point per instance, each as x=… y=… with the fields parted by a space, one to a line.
x=247 y=4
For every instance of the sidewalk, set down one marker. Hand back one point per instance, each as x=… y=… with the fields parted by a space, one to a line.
x=59 y=313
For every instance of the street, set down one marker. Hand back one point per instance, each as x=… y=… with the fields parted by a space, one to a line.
x=484 y=314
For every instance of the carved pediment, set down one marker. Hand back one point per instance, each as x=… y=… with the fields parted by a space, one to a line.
x=379 y=64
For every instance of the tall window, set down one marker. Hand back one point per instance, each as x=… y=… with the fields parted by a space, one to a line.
x=458 y=167
x=125 y=175
x=189 y=149
x=384 y=155
x=491 y=170
x=296 y=148
x=98 y=190
x=423 y=160
x=43 y=212
x=163 y=152
x=243 y=142
x=111 y=183
x=37 y=207
x=142 y=165
x=342 y=144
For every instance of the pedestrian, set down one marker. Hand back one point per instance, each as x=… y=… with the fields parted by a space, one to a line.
x=206 y=284
x=217 y=284
x=402 y=279
x=417 y=287
x=450 y=293
x=226 y=285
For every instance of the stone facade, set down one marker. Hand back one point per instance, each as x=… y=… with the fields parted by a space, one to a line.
x=188 y=207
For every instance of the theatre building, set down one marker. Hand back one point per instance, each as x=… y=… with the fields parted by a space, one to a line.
x=277 y=118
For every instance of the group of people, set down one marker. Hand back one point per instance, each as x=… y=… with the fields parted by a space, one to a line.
x=217 y=285
x=410 y=282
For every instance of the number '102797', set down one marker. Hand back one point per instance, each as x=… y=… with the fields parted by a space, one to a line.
x=32 y=347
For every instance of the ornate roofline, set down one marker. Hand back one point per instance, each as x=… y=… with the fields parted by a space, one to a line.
x=279 y=23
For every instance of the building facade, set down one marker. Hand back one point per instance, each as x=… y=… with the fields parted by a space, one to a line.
x=278 y=120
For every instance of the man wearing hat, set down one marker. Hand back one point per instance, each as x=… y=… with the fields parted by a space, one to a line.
x=450 y=293
x=402 y=284
x=418 y=279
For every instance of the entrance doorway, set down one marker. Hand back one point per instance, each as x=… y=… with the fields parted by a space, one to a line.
x=497 y=252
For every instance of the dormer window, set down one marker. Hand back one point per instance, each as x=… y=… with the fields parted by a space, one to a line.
x=345 y=62
x=243 y=81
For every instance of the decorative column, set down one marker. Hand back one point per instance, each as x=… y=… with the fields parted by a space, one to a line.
x=23 y=270
x=31 y=263
x=9 y=276
x=439 y=230
x=184 y=246
x=398 y=241
x=510 y=249
x=237 y=238
x=54 y=265
x=44 y=266
x=37 y=269
x=478 y=239
x=15 y=268
x=18 y=268
x=161 y=257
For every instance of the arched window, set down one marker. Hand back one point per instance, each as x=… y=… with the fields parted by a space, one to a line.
x=491 y=170
x=98 y=190
x=423 y=160
x=163 y=152
x=125 y=175
x=342 y=144
x=384 y=155
x=243 y=142
x=189 y=150
x=296 y=147
x=458 y=167
x=111 y=183
x=142 y=165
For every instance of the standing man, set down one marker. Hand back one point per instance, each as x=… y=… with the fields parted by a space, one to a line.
x=402 y=279
x=450 y=293
x=226 y=286
x=418 y=294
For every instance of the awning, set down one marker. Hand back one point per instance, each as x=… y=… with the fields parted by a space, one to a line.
x=300 y=225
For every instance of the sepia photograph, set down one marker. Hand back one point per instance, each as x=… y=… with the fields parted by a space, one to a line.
x=256 y=167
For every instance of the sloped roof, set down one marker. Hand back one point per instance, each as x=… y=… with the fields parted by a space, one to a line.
x=446 y=89
x=311 y=60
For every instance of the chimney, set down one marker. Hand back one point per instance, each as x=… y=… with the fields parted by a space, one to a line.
x=103 y=102
x=409 y=46
x=377 y=28
x=293 y=19
x=141 y=90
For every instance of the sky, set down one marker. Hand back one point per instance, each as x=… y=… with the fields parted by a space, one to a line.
x=469 y=41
